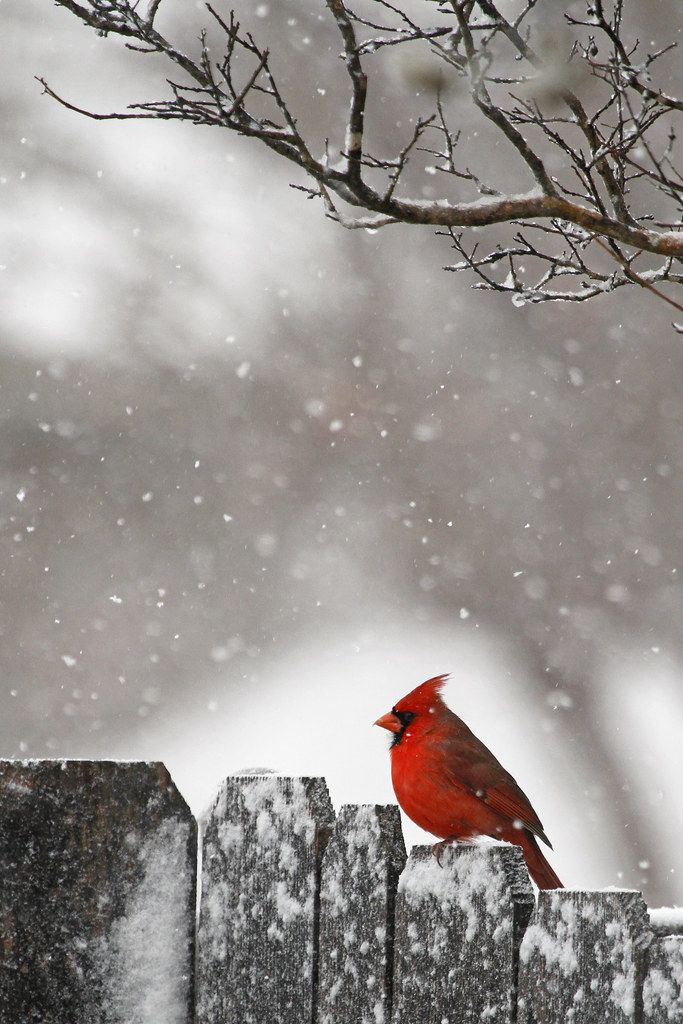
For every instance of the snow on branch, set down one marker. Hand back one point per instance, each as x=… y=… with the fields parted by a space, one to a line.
x=586 y=124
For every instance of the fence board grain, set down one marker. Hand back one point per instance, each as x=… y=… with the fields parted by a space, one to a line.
x=663 y=986
x=583 y=958
x=97 y=861
x=457 y=934
x=361 y=867
x=262 y=849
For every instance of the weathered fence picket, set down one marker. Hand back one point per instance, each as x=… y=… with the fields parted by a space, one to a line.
x=583 y=958
x=258 y=922
x=663 y=985
x=458 y=928
x=361 y=867
x=97 y=875
x=304 y=918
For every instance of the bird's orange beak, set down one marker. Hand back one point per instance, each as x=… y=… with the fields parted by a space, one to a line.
x=389 y=721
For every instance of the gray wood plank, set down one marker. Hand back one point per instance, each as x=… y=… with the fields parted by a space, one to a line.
x=583 y=958
x=663 y=986
x=262 y=849
x=457 y=935
x=360 y=872
x=97 y=905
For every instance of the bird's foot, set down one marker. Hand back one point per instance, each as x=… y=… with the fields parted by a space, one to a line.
x=438 y=848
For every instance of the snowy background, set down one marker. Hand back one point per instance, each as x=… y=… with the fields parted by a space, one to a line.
x=259 y=477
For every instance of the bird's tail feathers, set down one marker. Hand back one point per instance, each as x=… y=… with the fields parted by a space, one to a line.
x=539 y=868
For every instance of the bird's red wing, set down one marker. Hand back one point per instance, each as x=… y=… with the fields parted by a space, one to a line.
x=470 y=763
x=511 y=801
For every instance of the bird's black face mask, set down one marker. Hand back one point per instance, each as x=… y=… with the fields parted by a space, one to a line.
x=405 y=718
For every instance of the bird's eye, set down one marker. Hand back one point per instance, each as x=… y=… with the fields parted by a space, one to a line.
x=405 y=717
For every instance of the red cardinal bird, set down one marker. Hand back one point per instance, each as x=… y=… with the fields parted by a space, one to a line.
x=451 y=785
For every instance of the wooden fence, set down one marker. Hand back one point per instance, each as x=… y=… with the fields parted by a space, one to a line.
x=304 y=918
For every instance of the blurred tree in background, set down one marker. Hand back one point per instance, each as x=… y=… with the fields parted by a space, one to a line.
x=231 y=430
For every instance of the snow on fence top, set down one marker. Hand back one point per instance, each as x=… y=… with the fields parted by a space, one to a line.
x=304 y=918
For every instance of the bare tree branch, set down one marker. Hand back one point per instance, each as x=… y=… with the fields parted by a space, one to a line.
x=353 y=146
x=617 y=199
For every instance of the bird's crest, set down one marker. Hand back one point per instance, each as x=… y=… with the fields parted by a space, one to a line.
x=425 y=695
